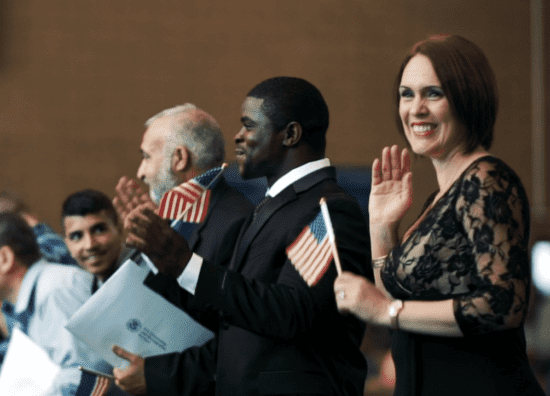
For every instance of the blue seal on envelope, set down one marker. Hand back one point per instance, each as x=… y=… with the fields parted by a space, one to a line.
x=133 y=325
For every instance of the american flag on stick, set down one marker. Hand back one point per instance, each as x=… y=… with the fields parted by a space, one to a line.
x=330 y=232
x=189 y=201
x=93 y=383
x=314 y=249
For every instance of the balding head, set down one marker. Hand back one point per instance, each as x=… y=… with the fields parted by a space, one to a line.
x=179 y=142
x=195 y=129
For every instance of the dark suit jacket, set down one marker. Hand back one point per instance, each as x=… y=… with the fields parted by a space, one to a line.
x=276 y=334
x=214 y=240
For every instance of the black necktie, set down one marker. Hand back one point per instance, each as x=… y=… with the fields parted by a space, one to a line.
x=259 y=207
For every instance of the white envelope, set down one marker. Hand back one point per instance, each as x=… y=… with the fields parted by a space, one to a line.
x=27 y=369
x=129 y=314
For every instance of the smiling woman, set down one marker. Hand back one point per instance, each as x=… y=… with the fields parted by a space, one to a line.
x=455 y=287
x=424 y=109
x=463 y=75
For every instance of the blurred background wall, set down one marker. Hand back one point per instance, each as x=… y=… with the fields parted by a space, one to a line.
x=78 y=79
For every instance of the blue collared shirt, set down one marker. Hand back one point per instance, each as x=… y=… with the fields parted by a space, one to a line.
x=49 y=295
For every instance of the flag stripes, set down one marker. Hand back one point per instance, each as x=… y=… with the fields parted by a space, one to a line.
x=311 y=252
x=189 y=201
x=93 y=385
x=181 y=200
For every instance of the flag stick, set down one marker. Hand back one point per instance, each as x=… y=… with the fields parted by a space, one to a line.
x=330 y=232
x=183 y=213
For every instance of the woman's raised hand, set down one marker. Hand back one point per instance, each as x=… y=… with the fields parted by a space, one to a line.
x=391 y=190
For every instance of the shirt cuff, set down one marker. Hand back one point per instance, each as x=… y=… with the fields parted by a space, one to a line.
x=190 y=275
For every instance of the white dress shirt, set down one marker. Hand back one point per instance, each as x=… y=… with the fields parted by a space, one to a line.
x=190 y=275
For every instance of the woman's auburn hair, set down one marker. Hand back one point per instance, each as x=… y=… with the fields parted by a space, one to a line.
x=468 y=82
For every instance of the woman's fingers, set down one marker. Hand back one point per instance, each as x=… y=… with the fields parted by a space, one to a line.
x=405 y=162
x=393 y=165
x=386 y=164
x=408 y=188
x=376 y=177
x=346 y=287
x=395 y=162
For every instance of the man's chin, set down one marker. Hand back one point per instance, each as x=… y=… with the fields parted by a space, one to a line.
x=96 y=270
x=154 y=197
x=246 y=173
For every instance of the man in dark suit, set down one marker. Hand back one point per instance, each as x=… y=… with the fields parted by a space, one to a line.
x=277 y=335
x=179 y=144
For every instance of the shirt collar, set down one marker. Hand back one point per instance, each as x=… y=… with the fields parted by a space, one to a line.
x=296 y=174
x=29 y=280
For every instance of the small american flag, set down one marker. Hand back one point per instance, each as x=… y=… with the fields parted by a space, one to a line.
x=189 y=201
x=93 y=385
x=311 y=252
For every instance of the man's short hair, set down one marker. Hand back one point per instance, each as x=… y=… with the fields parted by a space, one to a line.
x=18 y=235
x=468 y=82
x=288 y=99
x=199 y=133
x=87 y=202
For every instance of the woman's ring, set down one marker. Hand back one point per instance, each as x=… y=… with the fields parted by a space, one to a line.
x=340 y=294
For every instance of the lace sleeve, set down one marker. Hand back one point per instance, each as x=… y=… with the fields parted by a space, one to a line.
x=495 y=214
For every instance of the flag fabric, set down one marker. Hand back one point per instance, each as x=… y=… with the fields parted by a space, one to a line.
x=189 y=201
x=311 y=252
x=93 y=385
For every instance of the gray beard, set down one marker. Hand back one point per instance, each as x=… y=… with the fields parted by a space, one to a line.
x=167 y=181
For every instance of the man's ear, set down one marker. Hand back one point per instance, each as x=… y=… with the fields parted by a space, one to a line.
x=180 y=159
x=293 y=134
x=7 y=259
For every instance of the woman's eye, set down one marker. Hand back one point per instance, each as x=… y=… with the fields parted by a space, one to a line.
x=435 y=93
x=406 y=93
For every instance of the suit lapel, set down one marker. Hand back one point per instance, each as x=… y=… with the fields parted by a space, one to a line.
x=286 y=196
x=283 y=198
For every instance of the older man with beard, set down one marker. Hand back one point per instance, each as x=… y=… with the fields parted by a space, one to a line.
x=178 y=145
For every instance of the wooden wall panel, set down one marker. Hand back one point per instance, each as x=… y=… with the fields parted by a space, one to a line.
x=78 y=79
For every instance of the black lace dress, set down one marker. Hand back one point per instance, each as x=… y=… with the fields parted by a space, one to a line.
x=470 y=247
